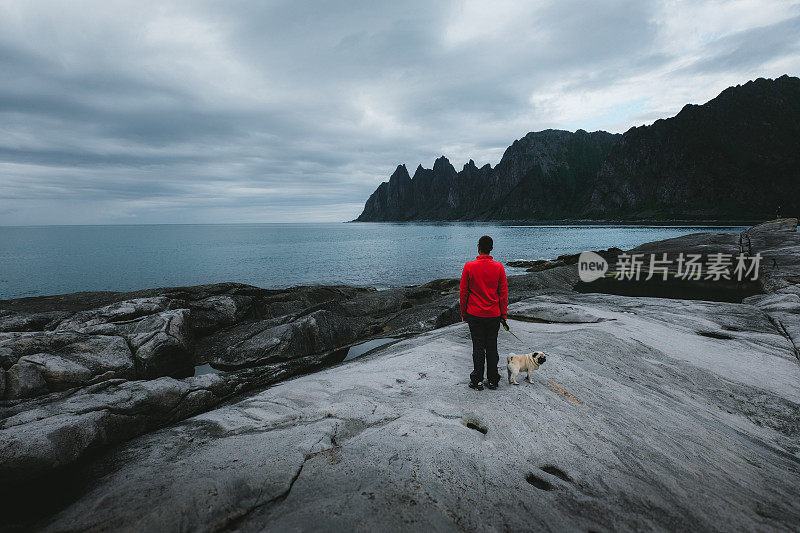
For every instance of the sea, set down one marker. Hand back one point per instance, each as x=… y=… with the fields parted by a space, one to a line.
x=44 y=260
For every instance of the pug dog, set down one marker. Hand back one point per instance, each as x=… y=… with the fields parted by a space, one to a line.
x=526 y=362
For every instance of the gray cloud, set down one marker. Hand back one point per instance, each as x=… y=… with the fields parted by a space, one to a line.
x=291 y=111
x=751 y=48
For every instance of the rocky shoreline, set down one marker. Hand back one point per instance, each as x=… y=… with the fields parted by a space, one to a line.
x=97 y=392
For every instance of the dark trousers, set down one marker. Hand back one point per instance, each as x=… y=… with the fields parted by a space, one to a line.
x=484 y=347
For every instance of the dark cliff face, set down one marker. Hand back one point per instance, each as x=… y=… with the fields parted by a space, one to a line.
x=536 y=171
x=549 y=173
x=735 y=157
x=390 y=200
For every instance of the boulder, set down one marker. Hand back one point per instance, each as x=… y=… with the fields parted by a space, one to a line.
x=25 y=379
x=539 y=265
x=41 y=362
x=380 y=303
x=159 y=338
x=216 y=312
x=423 y=317
x=274 y=340
x=102 y=320
x=161 y=344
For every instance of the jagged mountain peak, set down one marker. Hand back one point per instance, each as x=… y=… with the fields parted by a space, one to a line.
x=400 y=171
x=442 y=165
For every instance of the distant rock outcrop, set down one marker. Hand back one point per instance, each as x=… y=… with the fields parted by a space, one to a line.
x=736 y=157
x=540 y=176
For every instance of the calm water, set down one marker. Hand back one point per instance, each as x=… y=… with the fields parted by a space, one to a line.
x=60 y=259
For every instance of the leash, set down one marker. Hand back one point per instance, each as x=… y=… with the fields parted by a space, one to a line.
x=505 y=327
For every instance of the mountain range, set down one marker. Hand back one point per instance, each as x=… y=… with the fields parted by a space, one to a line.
x=735 y=157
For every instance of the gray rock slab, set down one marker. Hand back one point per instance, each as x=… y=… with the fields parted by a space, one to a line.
x=101 y=319
x=277 y=340
x=47 y=432
x=18 y=321
x=664 y=415
x=51 y=434
x=781 y=225
x=783 y=309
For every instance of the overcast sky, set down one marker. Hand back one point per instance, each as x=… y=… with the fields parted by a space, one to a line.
x=160 y=112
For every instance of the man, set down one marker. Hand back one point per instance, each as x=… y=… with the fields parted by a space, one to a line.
x=484 y=304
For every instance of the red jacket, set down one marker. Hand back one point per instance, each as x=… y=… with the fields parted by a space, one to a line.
x=484 y=289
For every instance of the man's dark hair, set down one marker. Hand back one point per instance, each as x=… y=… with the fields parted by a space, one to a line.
x=485 y=244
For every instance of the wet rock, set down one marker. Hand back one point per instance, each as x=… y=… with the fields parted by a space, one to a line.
x=276 y=340
x=543 y=266
x=159 y=327
x=379 y=303
x=563 y=277
x=424 y=317
x=2 y=383
x=159 y=338
x=609 y=255
x=527 y=264
x=297 y=300
x=38 y=362
x=443 y=285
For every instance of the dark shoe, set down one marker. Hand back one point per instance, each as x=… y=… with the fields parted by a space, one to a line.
x=476 y=386
x=491 y=386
